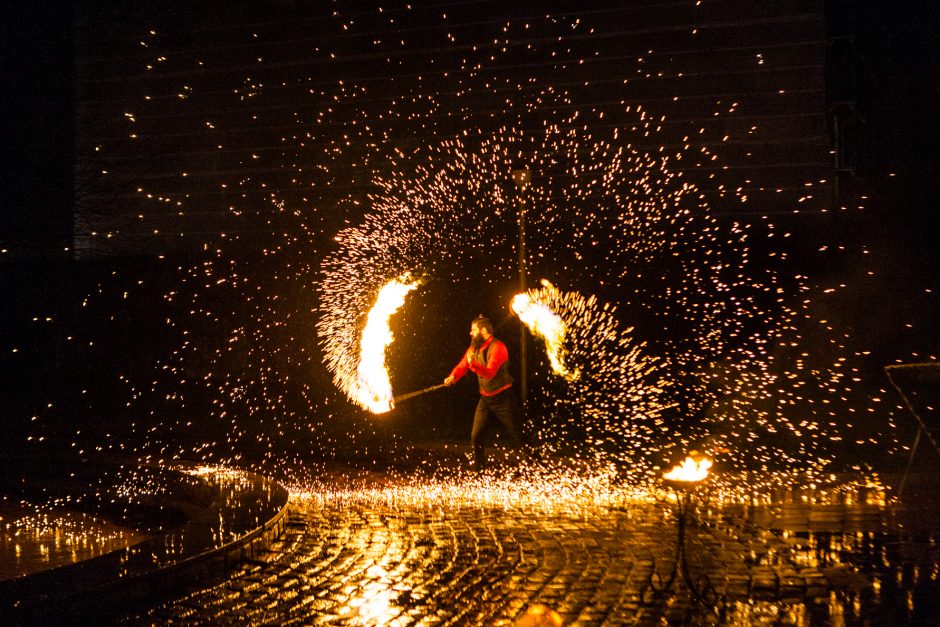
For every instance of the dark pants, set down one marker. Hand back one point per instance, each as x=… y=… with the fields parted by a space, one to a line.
x=503 y=406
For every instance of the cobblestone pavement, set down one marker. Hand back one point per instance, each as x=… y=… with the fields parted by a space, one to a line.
x=408 y=562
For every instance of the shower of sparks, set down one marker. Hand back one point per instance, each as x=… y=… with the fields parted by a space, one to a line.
x=571 y=487
x=426 y=223
x=700 y=364
x=546 y=324
x=371 y=387
x=307 y=183
x=614 y=407
x=574 y=487
x=690 y=470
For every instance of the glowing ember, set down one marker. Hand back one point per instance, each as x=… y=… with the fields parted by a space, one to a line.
x=372 y=388
x=545 y=323
x=691 y=470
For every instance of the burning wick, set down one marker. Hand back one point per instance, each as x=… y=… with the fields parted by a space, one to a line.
x=544 y=322
x=692 y=469
x=373 y=388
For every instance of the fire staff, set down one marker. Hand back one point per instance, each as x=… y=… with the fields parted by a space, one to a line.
x=488 y=358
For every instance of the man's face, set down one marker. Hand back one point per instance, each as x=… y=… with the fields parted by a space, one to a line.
x=476 y=335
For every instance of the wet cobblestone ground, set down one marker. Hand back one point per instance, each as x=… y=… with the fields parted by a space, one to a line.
x=343 y=562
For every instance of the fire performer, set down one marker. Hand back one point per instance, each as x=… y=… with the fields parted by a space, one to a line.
x=488 y=358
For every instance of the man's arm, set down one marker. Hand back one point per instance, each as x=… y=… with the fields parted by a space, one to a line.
x=458 y=372
x=495 y=358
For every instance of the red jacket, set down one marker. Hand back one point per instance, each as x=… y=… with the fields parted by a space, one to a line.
x=494 y=365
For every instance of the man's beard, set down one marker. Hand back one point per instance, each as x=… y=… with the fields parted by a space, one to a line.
x=476 y=341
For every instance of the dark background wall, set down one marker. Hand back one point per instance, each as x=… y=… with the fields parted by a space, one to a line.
x=865 y=73
x=38 y=141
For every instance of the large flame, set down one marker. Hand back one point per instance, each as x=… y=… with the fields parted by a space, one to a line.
x=373 y=388
x=544 y=322
x=691 y=469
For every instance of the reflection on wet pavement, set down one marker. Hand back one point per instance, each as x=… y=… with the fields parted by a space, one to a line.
x=34 y=539
x=185 y=520
x=391 y=554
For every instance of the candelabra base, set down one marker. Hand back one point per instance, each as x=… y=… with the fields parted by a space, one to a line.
x=699 y=585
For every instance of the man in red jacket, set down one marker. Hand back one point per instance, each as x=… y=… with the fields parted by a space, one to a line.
x=488 y=358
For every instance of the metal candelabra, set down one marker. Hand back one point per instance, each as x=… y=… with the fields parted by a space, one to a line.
x=700 y=587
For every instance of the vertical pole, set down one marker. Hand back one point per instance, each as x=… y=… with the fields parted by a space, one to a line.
x=523 y=366
x=522 y=178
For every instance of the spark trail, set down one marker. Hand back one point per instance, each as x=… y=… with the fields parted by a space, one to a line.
x=687 y=330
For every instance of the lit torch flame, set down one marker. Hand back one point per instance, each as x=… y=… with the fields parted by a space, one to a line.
x=690 y=470
x=544 y=322
x=373 y=388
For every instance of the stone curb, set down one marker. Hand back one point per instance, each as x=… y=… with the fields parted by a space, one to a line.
x=122 y=579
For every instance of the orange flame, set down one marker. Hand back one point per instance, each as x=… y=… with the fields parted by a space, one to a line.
x=544 y=322
x=691 y=469
x=373 y=388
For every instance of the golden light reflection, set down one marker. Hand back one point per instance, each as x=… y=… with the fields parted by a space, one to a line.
x=372 y=601
x=539 y=615
x=587 y=495
x=35 y=537
x=219 y=472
